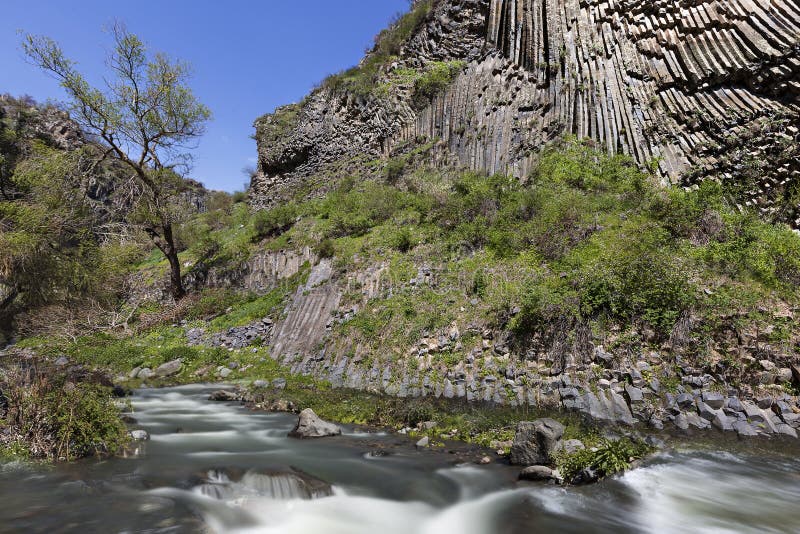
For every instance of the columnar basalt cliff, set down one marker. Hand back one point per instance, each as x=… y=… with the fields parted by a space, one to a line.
x=692 y=90
x=705 y=88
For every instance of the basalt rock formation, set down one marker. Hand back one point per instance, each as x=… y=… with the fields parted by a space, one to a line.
x=698 y=89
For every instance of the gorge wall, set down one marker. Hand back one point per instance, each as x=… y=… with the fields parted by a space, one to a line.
x=705 y=88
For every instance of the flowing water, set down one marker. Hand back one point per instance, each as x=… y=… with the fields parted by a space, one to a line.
x=217 y=467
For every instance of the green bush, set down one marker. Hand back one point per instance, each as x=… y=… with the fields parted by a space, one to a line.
x=394 y=170
x=86 y=421
x=54 y=418
x=435 y=78
x=326 y=248
x=605 y=459
x=402 y=240
x=270 y=223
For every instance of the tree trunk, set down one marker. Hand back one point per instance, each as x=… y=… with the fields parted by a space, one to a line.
x=171 y=252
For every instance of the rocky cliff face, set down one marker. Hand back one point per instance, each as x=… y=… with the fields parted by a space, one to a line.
x=705 y=88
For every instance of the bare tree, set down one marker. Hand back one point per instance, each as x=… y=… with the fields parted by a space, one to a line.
x=146 y=117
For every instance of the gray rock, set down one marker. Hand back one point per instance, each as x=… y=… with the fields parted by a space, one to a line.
x=784 y=375
x=260 y=384
x=764 y=402
x=622 y=414
x=744 y=429
x=684 y=400
x=538 y=473
x=713 y=399
x=753 y=412
x=767 y=365
x=785 y=429
x=134 y=372
x=792 y=419
x=279 y=383
x=734 y=404
x=681 y=421
x=722 y=421
x=781 y=407
x=169 y=369
x=145 y=373
x=568 y=393
x=423 y=443
x=571 y=446
x=696 y=421
x=634 y=394
x=62 y=361
x=705 y=411
x=310 y=426
x=534 y=442
x=656 y=423
x=223 y=396
x=224 y=372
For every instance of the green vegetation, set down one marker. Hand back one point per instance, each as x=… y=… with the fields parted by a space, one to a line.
x=363 y=79
x=602 y=456
x=425 y=83
x=145 y=119
x=455 y=420
x=50 y=417
x=588 y=242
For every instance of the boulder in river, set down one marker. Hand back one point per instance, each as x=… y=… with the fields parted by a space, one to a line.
x=309 y=425
x=535 y=441
x=538 y=473
x=223 y=396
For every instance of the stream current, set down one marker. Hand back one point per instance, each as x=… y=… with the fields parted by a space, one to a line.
x=218 y=467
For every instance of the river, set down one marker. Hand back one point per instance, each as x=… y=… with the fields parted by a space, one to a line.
x=217 y=467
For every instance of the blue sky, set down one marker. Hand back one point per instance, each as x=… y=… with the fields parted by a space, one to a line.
x=248 y=56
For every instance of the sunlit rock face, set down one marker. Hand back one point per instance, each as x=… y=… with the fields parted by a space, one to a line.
x=703 y=88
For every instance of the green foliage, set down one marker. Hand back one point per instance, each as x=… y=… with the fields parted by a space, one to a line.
x=436 y=77
x=48 y=246
x=394 y=170
x=86 y=420
x=273 y=222
x=145 y=118
x=326 y=248
x=362 y=80
x=51 y=417
x=604 y=458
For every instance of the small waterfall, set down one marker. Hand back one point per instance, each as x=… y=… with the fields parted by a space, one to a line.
x=279 y=486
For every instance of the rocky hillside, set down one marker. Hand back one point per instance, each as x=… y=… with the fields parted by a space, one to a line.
x=699 y=89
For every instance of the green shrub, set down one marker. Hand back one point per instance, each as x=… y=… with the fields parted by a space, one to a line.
x=362 y=79
x=394 y=170
x=436 y=77
x=54 y=418
x=605 y=459
x=326 y=248
x=402 y=240
x=184 y=353
x=271 y=223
